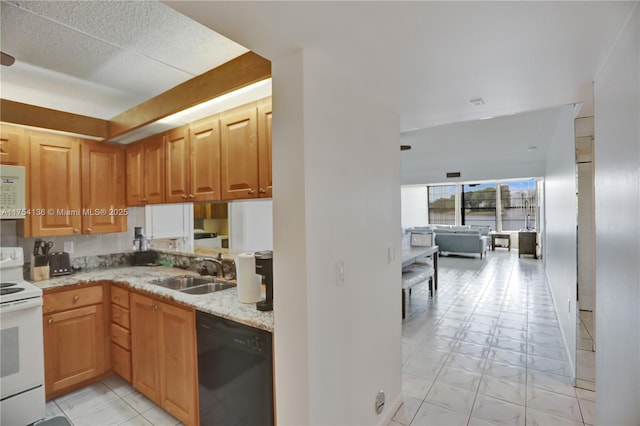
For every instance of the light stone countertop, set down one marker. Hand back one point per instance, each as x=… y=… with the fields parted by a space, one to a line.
x=222 y=303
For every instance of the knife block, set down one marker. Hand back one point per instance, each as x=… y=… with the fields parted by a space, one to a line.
x=38 y=273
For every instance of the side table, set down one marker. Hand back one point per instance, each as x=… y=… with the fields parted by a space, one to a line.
x=502 y=236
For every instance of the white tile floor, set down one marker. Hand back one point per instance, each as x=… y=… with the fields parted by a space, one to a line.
x=110 y=402
x=487 y=349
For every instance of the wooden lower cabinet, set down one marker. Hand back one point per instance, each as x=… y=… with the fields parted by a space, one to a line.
x=527 y=244
x=163 y=356
x=120 y=333
x=74 y=339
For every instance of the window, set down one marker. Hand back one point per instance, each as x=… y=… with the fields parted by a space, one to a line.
x=479 y=204
x=515 y=207
x=442 y=204
x=519 y=205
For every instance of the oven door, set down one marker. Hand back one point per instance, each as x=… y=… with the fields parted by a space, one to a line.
x=22 y=362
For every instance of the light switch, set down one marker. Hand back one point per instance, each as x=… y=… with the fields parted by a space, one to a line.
x=340 y=272
x=68 y=246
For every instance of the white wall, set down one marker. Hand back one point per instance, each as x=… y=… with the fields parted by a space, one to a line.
x=414 y=205
x=251 y=225
x=617 y=164
x=336 y=199
x=560 y=227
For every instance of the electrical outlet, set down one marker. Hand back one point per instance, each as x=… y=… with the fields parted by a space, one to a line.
x=68 y=246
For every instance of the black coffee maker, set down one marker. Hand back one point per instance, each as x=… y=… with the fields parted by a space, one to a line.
x=264 y=267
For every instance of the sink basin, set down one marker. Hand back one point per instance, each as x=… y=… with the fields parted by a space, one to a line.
x=207 y=288
x=181 y=283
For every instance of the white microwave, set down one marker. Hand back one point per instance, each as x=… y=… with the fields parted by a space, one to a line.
x=12 y=192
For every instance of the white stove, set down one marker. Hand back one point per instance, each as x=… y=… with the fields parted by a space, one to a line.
x=22 y=362
x=13 y=287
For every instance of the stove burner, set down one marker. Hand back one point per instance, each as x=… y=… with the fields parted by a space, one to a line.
x=4 y=285
x=5 y=291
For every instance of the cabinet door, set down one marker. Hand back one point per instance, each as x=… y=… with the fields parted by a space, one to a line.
x=154 y=170
x=74 y=343
x=177 y=347
x=103 y=188
x=144 y=353
x=239 y=153
x=264 y=148
x=135 y=174
x=55 y=184
x=12 y=146
x=177 y=165
x=205 y=160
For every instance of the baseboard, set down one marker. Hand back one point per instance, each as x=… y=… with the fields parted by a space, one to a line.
x=390 y=411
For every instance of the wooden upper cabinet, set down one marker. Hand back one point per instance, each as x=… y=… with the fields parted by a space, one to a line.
x=103 y=188
x=239 y=153
x=135 y=174
x=55 y=185
x=13 y=146
x=264 y=148
x=145 y=171
x=154 y=169
x=205 y=160
x=177 y=165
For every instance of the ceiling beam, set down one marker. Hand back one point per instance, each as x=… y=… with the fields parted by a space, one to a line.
x=35 y=116
x=235 y=74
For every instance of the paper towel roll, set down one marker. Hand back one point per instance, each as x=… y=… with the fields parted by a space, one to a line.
x=248 y=280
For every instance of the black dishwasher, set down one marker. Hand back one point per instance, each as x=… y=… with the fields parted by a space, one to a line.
x=235 y=373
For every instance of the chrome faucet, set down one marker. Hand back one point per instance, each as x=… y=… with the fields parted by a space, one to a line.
x=215 y=261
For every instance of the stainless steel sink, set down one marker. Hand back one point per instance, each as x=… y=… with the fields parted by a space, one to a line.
x=207 y=288
x=185 y=282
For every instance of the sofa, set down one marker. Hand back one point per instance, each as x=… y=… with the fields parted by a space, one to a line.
x=462 y=239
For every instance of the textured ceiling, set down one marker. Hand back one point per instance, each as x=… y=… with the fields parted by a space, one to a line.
x=99 y=58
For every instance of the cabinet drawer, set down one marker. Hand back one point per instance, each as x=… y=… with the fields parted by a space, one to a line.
x=70 y=299
x=121 y=359
x=121 y=336
x=120 y=316
x=120 y=296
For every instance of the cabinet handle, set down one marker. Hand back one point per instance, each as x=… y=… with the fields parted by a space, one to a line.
x=156 y=307
x=192 y=196
x=76 y=231
x=50 y=321
x=251 y=191
x=184 y=196
x=88 y=229
x=262 y=190
x=76 y=298
x=144 y=200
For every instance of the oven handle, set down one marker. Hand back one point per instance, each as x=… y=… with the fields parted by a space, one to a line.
x=20 y=305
